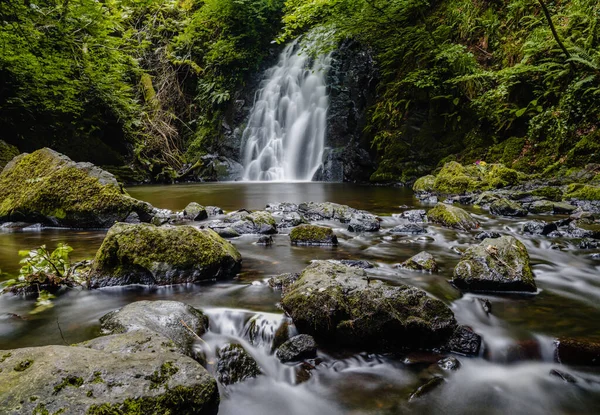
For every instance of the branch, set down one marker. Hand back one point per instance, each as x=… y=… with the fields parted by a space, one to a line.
x=555 y=33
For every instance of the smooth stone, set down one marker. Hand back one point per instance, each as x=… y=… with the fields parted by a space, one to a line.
x=299 y=347
x=423 y=261
x=235 y=365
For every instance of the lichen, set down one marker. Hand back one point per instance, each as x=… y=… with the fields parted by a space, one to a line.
x=161 y=377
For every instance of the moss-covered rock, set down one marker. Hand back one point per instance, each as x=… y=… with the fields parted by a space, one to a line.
x=424 y=184
x=48 y=187
x=541 y=206
x=78 y=380
x=500 y=264
x=423 y=261
x=452 y=217
x=313 y=235
x=340 y=305
x=548 y=192
x=454 y=178
x=298 y=347
x=582 y=192
x=195 y=211
x=7 y=153
x=147 y=254
x=243 y=222
x=235 y=365
x=505 y=207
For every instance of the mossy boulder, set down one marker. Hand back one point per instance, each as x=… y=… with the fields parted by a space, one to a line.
x=582 y=192
x=499 y=264
x=299 y=347
x=235 y=365
x=178 y=322
x=541 y=206
x=243 y=222
x=7 y=153
x=313 y=235
x=341 y=306
x=424 y=184
x=147 y=254
x=195 y=211
x=78 y=380
x=505 y=207
x=48 y=187
x=452 y=217
x=423 y=261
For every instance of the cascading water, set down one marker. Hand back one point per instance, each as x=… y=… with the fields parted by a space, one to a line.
x=285 y=136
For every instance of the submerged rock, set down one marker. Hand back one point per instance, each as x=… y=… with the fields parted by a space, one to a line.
x=313 y=235
x=449 y=363
x=283 y=281
x=297 y=348
x=146 y=254
x=176 y=321
x=266 y=240
x=452 y=217
x=505 y=207
x=78 y=380
x=577 y=352
x=408 y=229
x=500 y=264
x=464 y=341
x=48 y=187
x=427 y=387
x=357 y=263
x=195 y=211
x=340 y=305
x=423 y=261
x=235 y=365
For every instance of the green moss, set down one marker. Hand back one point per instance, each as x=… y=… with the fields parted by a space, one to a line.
x=548 y=192
x=452 y=217
x=161 y=377
x=582 y=191
x=7 y=153
x=312 y=233
x=23 y=365
x=4 y=357
x=499 y=176
x=261 y=218
x=97 y=378
x=454 y=178
x=587 y=150
x=69 y=381
x=424 y=184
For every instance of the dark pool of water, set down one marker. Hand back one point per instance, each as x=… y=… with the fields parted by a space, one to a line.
x=501 y=381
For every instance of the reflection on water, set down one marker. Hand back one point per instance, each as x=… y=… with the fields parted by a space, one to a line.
x=512 y=376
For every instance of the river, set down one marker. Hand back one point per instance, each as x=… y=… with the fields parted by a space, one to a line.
x=512 y=374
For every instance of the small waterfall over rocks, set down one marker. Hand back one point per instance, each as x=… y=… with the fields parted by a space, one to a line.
x=285 y=136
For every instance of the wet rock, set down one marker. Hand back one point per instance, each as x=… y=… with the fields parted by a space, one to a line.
x=452 y=217
x=464 y=341
x=541 y=206
x=195 y=211
x=500 y=264
x=577 y=352
x=423 y=261
x=357 y=263
x=359 y=220
x=583 y=229
x=299 y=347
x=146 y=254
x=486 y=199
x=176 y=321
x=235 y=365
x=485 y=304
x=78 y=380
x=313 y=235
x=539 y=227
x=408 y=229
x=213 y=210
x=363 y=222
x=588 y=243
x=50 y=188
x=487 y=235
x=283 y=281
x=427 y=387
x=595 y=256
x=243 y=222
x=282 y=334
x=424 y=185
x=415 y=215
x=564 y=208
x=216 y=168
x=449 y=363
x=289 y=220
x=421 y=358
x=505 y=207
x=282 y=208
x=266 y=240
x=140 y=340
x=339 y=305
x=563 y=376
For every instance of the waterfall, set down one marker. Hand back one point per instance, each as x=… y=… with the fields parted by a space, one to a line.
x=285 y=135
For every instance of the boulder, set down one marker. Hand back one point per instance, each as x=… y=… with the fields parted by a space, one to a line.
x=500 y=264
x=78 y=380
x=464 y=341
x=178 y=322
x=539 y=227
x=541 y=206
x=213 y=210
x=146 y=254
x=579 y=352
x=299 y=347
x=195 y=211
x=48 y=187
x=313 y=235
x=340 y=305
x=423 y=261
x=244 y=222
x=424 y=184
x=415 y=215
x=359 y=220
x=505 y=207
x=408 y=229
x=452 y=217
x=235 y=365
x=283 y=281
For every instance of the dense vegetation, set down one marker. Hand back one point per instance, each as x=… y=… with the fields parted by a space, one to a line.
x=150 y=81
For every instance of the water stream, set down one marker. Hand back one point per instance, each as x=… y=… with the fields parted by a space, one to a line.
x=512 y=374
x=285 y=135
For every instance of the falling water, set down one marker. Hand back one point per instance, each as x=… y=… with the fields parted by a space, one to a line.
x=285 y=136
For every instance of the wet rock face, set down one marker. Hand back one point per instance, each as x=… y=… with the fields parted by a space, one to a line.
x=464 y=341
x=452 y=217
x=283 y=281
x=146 y=254
x=297 y=348
x=176 y=321
x=235 y=365
x=505 y=207
x=49 y=188
x=195 y=211
x=313 y=235
x=577 y=352
x=340 y=305
x=78 y=380
x=244 y=222
x=358 y=220
x=500 y=264
x=423 y=261
x=408 y=229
